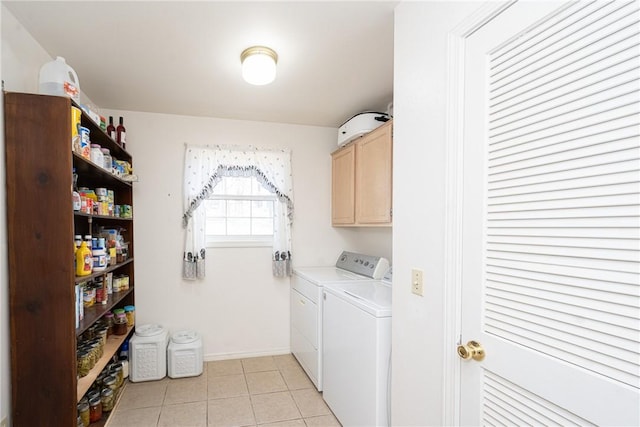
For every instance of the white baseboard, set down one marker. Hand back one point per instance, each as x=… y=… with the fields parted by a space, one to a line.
x=245 y=355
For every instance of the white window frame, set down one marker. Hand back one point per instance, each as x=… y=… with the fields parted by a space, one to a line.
x=253 y=241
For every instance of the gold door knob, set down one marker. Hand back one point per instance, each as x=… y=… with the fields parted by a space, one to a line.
x=473 y=350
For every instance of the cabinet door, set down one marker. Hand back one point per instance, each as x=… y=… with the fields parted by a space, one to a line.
x=343 y=186
x=373 y=177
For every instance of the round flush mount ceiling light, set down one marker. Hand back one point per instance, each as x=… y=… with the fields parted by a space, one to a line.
x=259 y=65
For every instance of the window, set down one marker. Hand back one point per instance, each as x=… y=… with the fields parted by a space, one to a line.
x=225 y=206
x=240 y=212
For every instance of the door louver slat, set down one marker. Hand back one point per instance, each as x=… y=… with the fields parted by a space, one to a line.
x=562 y=202
x=517 y=406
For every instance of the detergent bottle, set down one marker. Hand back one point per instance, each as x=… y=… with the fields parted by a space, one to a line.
x=58 y=78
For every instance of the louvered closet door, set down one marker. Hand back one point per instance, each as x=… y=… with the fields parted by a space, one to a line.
x=551 y=277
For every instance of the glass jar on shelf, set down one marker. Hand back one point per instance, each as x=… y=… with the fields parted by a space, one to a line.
x=120 y=324
x=107 y=399
x=95 y=409
x=92 y=394
x=83 y=412
x=130 y=313
x=109 y=318
x=99 y=347
x=117 y=371
x=110 y=381
x=84 y=362
x=100 y=380
x=101 y=333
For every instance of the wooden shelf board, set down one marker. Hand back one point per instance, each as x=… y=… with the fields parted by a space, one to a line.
x=109 y=217
x=113 y=344
x=80 y=279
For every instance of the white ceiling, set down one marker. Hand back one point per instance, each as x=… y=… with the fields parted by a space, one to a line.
x=178 y=57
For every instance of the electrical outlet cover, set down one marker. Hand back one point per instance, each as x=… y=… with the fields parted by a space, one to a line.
x=417 y=281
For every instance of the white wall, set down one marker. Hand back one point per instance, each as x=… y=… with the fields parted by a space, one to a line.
x=22 y=58
x=420 y=82
x=240 y=309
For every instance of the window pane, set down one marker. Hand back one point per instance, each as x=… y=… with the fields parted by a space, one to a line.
x=238 y=208
x=216 y=226
x=262 y=226
x=238 y=185
x=221 y=187
x=238 y=226
x=262 y=209
x=257 y=188
x=216 y=208
x=241 y=218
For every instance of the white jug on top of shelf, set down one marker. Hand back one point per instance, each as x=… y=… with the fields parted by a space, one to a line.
x=58 y=78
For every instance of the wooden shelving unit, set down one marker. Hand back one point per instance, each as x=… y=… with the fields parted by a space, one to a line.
x=42 y=281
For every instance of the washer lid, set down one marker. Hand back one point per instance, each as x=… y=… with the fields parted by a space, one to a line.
x=184 y=337
x=149 y=330
x=374 y=297
x=320 y=276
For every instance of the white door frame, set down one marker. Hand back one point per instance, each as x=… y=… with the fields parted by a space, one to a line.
x=456 y=41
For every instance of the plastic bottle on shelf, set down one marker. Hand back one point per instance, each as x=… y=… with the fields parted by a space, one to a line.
x=96 y=155
x=84 y=260
x=107 y=160
x=89 y=241
x=124 y=351
x=77 y=241
x=85 y=142
x=99 y=256
x=77 y=203
x=108 y=258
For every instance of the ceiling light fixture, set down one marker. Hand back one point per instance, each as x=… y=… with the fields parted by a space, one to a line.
x=259 y=65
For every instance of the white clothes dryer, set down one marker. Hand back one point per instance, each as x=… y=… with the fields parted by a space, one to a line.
x=306 y=304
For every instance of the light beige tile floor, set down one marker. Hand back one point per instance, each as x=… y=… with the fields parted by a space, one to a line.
x=261 y=391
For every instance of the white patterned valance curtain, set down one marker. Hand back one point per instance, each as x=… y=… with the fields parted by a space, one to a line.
x=204 y=168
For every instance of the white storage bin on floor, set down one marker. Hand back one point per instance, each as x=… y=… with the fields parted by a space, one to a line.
x=185 y=354
x=148 y=353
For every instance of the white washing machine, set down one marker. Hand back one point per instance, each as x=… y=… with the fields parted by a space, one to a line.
x=306 y=304
x=357 y=351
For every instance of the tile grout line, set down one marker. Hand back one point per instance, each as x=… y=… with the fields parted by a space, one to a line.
x=292 y=398
x=253 y=409
x=206 y=395
x=246 y=383
x=280 y=367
